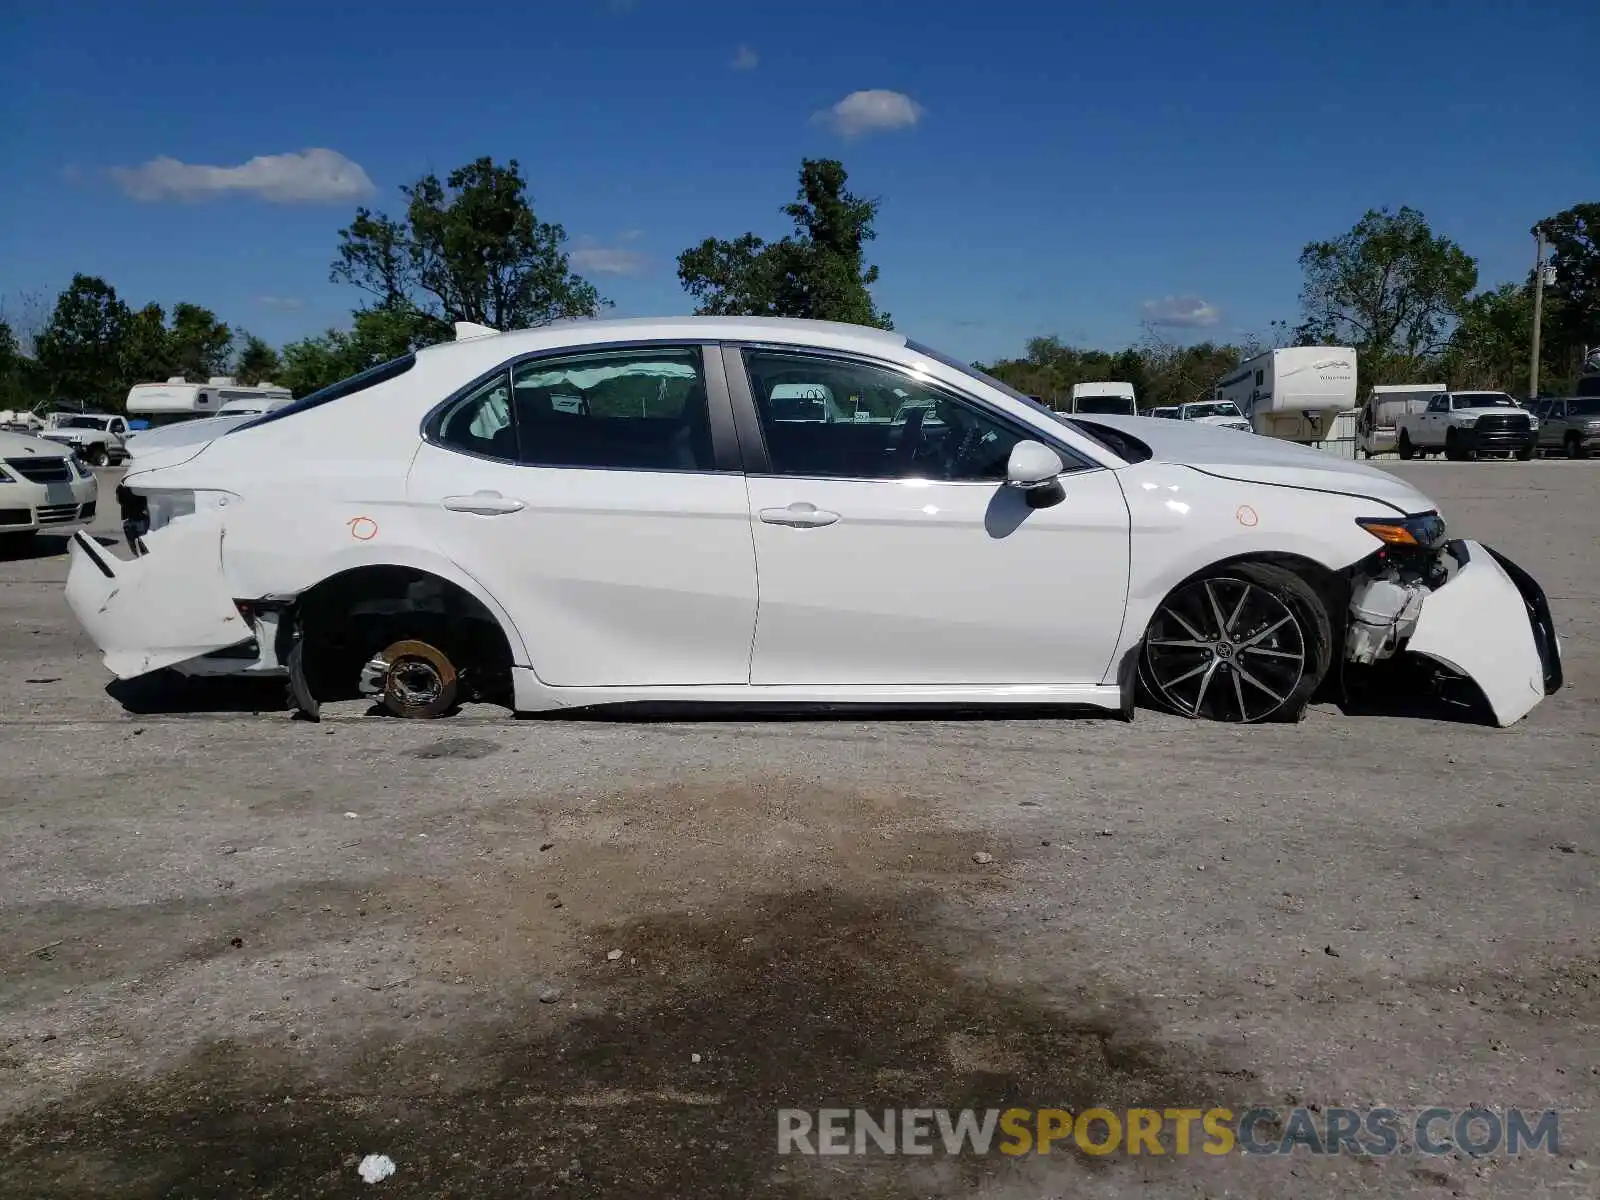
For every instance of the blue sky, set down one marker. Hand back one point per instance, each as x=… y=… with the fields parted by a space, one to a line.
x=1043 y=168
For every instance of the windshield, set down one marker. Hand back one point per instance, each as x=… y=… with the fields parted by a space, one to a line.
x=1115 y=405
x=972 y=372
x=1485 y=400
x=1224 y=408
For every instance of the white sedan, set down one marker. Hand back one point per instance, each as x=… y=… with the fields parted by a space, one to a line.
x=43 y=485
x=610 y=512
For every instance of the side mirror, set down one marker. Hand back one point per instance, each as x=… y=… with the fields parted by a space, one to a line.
x=1033 y=465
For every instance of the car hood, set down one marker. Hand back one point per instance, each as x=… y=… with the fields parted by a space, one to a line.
x=21 y=445
x=1254 y=458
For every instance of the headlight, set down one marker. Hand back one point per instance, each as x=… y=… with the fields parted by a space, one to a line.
x=1466 y=422
x=1424 y=530
x=1591 y=425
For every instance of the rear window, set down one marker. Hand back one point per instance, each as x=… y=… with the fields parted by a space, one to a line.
x=360 y=382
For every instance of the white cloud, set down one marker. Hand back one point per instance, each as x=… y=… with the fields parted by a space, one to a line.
x=745 y=59
x=874 y=111
x=610 y=260
x=287 y=303
x=309 y=177
x=1182 y=312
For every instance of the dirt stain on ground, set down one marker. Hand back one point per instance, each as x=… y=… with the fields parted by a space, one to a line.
x=805 y=999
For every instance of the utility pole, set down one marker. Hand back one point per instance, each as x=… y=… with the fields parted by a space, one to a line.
x=1538 y=311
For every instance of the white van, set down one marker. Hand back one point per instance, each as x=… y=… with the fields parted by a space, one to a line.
x=1294 y=394
x=1111 y=399
x=179 y=400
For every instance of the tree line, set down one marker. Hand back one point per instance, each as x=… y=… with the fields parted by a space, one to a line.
x=470 y=247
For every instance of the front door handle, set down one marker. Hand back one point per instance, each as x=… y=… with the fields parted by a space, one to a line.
x=485 y=504
x=799 y=516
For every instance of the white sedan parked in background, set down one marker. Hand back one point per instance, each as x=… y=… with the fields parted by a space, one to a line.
x=629 y=511
x=43 y=485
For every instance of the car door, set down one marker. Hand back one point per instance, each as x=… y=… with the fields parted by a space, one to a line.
x=598 y=497
x=892 y=552
x=1553 y=427
x=1435 y=419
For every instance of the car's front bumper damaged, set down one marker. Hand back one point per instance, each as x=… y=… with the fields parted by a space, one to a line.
x=1473 y=613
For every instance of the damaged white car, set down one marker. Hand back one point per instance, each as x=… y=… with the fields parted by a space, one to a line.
x=619 y=512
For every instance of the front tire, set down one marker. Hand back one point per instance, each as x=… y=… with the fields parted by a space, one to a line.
x=1406 y=449
x=1574 y=447
x=97 y=456
x=1525 y=454
x=1245 y=643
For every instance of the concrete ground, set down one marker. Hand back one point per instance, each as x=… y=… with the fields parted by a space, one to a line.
x=238 y=952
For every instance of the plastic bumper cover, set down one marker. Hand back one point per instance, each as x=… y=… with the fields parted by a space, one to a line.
x=1491 y=623
x=165 y=608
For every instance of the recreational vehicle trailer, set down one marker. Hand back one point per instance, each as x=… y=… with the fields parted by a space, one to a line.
x=179 y=400
x=1293 y=394
x=1378 y=426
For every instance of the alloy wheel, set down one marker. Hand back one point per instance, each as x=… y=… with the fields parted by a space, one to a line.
x=1225 y=649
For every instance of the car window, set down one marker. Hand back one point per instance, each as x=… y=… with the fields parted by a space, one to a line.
x=620 y=410
x=1588 y=406
x=481 y=421
x=872 y=422
x=1438 y=404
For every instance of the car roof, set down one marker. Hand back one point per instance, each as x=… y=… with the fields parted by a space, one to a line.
x=583 y=332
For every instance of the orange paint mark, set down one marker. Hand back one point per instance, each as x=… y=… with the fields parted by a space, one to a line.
x=1246 y=516
x=363 y=529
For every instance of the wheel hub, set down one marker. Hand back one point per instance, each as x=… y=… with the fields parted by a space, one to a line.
x=1226 y=649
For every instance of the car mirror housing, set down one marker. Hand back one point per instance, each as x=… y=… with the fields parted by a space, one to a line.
x=1033 y=465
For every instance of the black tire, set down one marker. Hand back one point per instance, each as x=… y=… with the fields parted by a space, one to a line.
x=1452 y=448
x=1225 y=624
x=1405 y=447
x=18 y=543
x=1525 y=454
x=1574 y=448
x=97 y=456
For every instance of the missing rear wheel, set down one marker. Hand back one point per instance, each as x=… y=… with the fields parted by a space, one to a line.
x=418 y=681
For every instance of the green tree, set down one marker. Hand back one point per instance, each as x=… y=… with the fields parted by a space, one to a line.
x=198 y=344
x=819 y=271
x=146 y=348
x=82 y=347
x=468 y=249
x=1492 y=344
x=257 y=362
x=1389 y=288
x=1572 y=302
x=376 y=336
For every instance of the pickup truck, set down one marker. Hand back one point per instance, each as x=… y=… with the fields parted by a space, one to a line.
x=1571 y=425
x=1464 y=425
x=97 y=438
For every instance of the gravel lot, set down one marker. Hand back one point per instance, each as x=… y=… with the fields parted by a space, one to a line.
x=239 y=952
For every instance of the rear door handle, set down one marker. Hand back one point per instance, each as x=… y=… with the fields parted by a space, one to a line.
x=485 y=504
x=799 y=516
